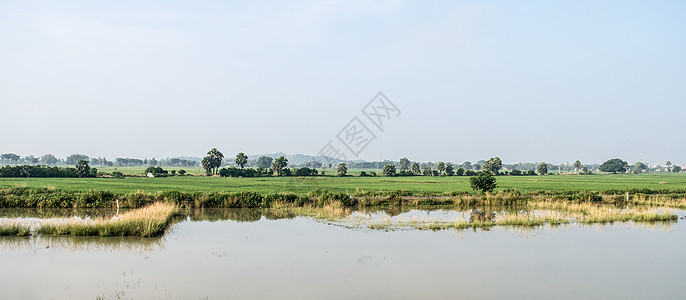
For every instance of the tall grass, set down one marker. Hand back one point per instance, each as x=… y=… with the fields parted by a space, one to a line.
x=149 y=221
x=14 y=229
x=598 y=213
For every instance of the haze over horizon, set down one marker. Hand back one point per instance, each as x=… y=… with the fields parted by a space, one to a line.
x=526 y=81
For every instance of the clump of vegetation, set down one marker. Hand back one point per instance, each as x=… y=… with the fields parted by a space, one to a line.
x=149 y=221
x=482 y=216
x=14 y=229
x=484 y=182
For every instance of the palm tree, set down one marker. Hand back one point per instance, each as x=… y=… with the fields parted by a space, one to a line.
x=342 y=169
x=415 y=168
x=241 y=159
x=440 y=167
x=669 y=163
x=577 y=166
x=214 y=161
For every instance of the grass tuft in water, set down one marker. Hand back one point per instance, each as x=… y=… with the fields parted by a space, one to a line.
x=149 y=221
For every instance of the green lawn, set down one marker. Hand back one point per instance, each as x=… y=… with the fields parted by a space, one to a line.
x=353 y=184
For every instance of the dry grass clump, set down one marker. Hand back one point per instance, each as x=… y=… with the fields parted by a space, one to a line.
x=16 y=229
x=658 y=201
x=505 y=220
x=148 y=221
x=597 y=213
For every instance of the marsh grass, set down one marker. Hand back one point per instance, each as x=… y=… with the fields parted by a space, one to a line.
x=15 y=229
x=502 y=220
x=148 y=221
x=658 y=201
x=598 y=213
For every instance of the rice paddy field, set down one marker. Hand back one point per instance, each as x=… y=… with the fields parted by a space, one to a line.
x=349 y=184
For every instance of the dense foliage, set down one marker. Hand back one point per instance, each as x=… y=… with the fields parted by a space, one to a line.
x=46 y=172
x=484 y=182
x=614 y=165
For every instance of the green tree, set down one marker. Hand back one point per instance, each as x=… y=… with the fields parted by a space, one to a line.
x=388 y=170
x=212 y=161
x=577 y=166
x=449 y=169
x=241 y=159
x=460 y=171
x=10 y=157
x=494 y=164
x=48 y=159
x=264 y=162
x=74 y=158
x=415 y=168
x=428 y=171
x=440 y=167
x=279 y=165
x=484 y=182
x=614 y=165
x=342 y=169
x=669 y=164
x=83 y=169
x=585 y=170
x=404 y=164
x=206 y=164
x=639 y=167
x=542 y=168
x=676 y=169
x=31 y=160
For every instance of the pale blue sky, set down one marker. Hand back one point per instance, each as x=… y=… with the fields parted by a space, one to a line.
x=523 y=80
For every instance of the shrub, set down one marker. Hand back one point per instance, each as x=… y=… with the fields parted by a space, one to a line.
x=484 y=182
x=388 y=170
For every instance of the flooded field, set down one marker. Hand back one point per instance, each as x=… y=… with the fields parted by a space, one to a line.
x=339 y=254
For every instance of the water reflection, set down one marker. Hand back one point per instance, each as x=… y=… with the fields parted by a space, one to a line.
x=383 y=219
x=83 y=244
x=404 y=218
x=57 y=213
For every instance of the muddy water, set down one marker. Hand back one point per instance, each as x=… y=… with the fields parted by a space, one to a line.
x=243 y=254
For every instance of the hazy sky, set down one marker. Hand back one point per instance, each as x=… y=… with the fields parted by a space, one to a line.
x=522 y=80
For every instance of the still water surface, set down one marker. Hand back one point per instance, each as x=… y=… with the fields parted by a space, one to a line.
x=211 y=255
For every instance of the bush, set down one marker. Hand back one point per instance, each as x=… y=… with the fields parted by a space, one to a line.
x=305 y=171
x=156 y=171
x=459 y=172
x=235 y=172
x=484 y=182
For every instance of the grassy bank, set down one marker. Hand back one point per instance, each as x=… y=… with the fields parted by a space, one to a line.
x=148 y=221
x=419 y=185
x=55 y=198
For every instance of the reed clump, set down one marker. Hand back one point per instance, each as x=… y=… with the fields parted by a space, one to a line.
x=14 y=229
x=484 y=220
x=597 y=213
x=148 y=221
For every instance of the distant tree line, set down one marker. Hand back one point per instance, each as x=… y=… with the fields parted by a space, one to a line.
x=82 y=169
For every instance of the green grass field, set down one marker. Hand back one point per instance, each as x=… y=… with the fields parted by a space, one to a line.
x=417 y=184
